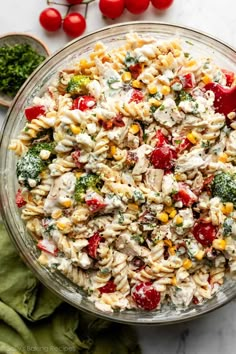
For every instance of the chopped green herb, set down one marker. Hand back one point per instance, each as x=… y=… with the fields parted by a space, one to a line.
x=188 y=42
x=186 y=55
x=138 y=238
x=129 y=60
x=121 y=218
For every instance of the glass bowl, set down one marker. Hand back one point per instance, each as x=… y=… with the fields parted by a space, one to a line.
x=198 y=43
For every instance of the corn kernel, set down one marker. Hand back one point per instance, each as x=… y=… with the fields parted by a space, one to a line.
x=223 y=157
x=179 y=220
x=113 y=149
x=78 y=174
x=174 y=281
x=163 y=217
x=165 y=90
x=172 y=251
x=134 y=128
x=152 y=89
x=83 y=63
x=191 y=62
x=75 y=130
x=219 y=244
x=187 y=264
x=180 y=177
x=133 y=206
x=118 y=155
x=173 y=214
x=66 y=203
x=137 y=84
x=56 y=214
x=154 y=102
x=168 y=243
x=192 y=137
x=206 y=79
x=126 y=76
x=199 y=256
x=227 y=208
x=176 y=53
x=61 y=226
x=169 y=209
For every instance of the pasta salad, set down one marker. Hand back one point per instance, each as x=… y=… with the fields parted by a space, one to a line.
x=127 y=176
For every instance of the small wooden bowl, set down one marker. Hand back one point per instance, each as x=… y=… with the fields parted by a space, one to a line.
x=21 y=38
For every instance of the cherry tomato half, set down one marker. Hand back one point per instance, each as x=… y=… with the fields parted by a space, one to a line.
x=74 y=24
x=162 y=4
x=74 y=2
x=112 y=8
x=204 y=233
x=50 y=19
x=137 y=7
x=163 y=157
x=146 y=296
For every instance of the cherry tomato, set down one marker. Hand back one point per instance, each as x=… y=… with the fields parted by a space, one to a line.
x=95 y=204
x=84 y=102
x=229 y=75
x=50 y=19
x=188 y=80
x=135 y=70
x=225 y=98
x=74 y=24
x=112 y=8
x=146 y=296
x=186 y=196
x=137 y=7
x=93 y=244
x=162 y=157
x=110 y=287
x=161 y=139
x=34 y=112
x=48 y=246
x=184 y=145
x=162 y=4
x=20 y=202
x=204 y=233
x=137 y=96
x=74 y=2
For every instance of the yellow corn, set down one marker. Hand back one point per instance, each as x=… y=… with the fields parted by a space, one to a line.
x=173 y=214
x=174 y=281
x=154 y=102
x=75 y=129
x=192 y=137
x=168 y=243
x=163 y=217
x=61 y=226
x=223 y=157
x=191 y=62
x=84 y=64
x=180 y=177
x=56 y=214
x=137 y=84
x=134 y=128
x=113 y=149
x=78 y=174
x=179 y=220
x=187 y=264
x=126 y=76
x=133 y=206
x=176 y=53
x=219 y=244
x=66 y=203
x=152 y=89
x=172 y=251
x=206 y=79
x=169 y=209
x=165 y=90
x=199 y=256
x=227 y=208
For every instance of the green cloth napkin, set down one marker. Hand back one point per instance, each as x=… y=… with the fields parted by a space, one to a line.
x=33 y=320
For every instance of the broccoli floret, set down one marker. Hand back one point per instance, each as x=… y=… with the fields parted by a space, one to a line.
x=183 y=96
x=88 y=181
x=227 y=226
x=78 y=85
x=224 y=187
x=29 y=167
x=36 y=149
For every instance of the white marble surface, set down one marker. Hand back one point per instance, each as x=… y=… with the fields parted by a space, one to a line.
x=216 y=332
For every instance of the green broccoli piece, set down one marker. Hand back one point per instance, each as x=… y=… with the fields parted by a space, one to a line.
x=29 y=167
x=88 y=181
x=37 y=148
x=78 y=85
x=227 y=226
x=183 y=96
x=224 y=187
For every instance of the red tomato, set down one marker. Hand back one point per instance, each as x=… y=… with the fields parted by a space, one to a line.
x=146 y=296
x=74 y=2
x=74 y=24
x=110 y=287
x=75 y=156
x=20 y=202
x=50 y=19
x=95 y=205
x=47 y=246
x=229 y=75
x=204 y=233
x=137 y=7
x=112 y=8
x=186 y=196
x=184 y=145
x=135 y=70
x=137 y=96
x=162 y=157
x=188 y=80
x=93 y=244
x=34 y=112
x=84 y=102
x=162 y=4
x=161 y=139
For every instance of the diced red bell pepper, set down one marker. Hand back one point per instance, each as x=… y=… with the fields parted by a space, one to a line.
x=20 y=202
x=34 y=112
x=75 y=156
x=48 y=246
x=229 y=75
x=204 y=233
x=185 y=195
x=225 y=98
x=93 y=244
x=137 y=96
x=188 y=80
x=95 y=204
x=110 y=287
x=135 y=70
x=161 y=139
x=146 y=296
x=163 y=157
x=83 y=103
x=184 y=145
